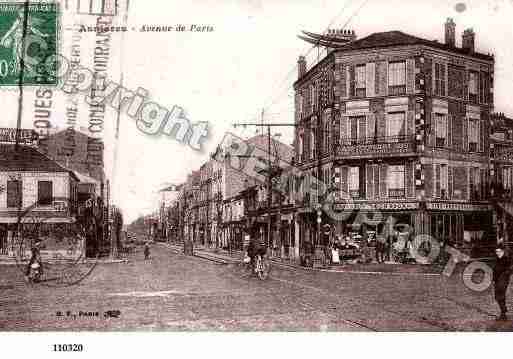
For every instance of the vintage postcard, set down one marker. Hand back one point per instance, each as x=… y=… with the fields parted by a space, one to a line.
x=255 y=166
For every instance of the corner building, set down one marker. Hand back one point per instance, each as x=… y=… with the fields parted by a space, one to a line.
x=398 y=124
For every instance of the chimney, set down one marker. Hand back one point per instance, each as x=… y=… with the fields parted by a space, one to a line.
x=450 y=32
x=301 y=65
x=468 y=40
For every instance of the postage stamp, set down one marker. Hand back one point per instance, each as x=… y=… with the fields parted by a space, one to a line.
x=28 y=36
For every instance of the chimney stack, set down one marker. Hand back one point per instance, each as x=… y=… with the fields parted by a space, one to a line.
x=468 y=40
x=301 y=65
x=450 y=32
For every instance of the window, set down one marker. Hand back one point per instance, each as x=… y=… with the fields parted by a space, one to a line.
x=441 y=130
x=312 y=143
x=354 y=182
x=300 y=105
x=44 y=193
x=441 y=181
x=300 y=147
x=14 y=194
x=360 y=80
x=473 y=135
x=395 y=126
x=483 y=87
x=395 y=181
x=507 y=177
x=473 y=85
x=357 y=129
x=326 y=134
x=475 y=183
x=444 y=181
x=440 y=80
x=397 y=78
x=312 y=97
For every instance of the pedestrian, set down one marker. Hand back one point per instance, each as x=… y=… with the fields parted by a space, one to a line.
x=146 y=251
x=501 y=275
x=380 y=248
x=388 y=247
x=35 y=261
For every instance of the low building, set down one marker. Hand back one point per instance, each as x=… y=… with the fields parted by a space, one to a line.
x=37 y=196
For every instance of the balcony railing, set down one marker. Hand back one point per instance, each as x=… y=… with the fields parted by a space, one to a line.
x=376 y=145
x=353 y=141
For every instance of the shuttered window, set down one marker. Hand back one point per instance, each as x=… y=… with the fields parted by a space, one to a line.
x=397 y=78
x=360 y=80
x=14 y=194
x=44 y=193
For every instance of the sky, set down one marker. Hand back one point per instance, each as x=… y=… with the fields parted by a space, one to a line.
x=248 y=63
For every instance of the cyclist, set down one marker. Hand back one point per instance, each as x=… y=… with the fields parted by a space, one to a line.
x=256 y=247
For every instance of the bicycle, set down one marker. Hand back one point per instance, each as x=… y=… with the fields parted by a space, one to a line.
x=262 y=267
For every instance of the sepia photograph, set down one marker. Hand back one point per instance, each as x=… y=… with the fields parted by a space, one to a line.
x=255 y=166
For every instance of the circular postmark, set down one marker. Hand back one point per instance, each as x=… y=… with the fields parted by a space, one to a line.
x=52 y=241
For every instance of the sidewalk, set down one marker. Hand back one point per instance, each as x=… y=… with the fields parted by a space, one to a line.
x=13 y=261
x=223 y=257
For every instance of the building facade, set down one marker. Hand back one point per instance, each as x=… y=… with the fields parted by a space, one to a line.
x=397 y=128
x=37 y=198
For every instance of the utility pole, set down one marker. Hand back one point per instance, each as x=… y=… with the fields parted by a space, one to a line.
x=270 y=172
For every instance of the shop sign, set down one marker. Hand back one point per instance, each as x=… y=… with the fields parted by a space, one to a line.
x=380 y=148
x=445 y=206
x=369 y=206
x=8 y=135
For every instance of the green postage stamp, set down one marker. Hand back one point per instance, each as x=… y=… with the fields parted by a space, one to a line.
x=28 y=37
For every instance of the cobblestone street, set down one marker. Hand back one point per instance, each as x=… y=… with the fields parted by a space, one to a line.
x=174 y=292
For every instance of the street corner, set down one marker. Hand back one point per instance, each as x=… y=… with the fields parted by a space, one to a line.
x=50 y=245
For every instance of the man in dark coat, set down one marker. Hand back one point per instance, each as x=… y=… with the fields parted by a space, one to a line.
x=501 y=275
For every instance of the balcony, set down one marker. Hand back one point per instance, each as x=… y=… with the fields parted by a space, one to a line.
x=380 y=146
